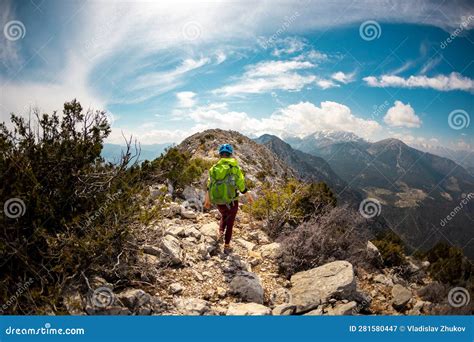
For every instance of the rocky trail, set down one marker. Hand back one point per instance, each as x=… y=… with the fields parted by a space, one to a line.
x=183 y=271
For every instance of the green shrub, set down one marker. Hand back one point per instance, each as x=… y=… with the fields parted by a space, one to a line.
x=177 y=168
x=291 y=204
x=449 y=265
x=75 y=207
x=391 y=248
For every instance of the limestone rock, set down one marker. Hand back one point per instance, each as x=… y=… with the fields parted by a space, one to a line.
x=191 y=306
x=210 y=229
x=248 y=287
x=284 y=310
x=401 y=296
x=247 y=309
x=316 y=286
x=342 y=309
x=172 y=249
x=270 y=250
x=246 y=244
x=176 y=288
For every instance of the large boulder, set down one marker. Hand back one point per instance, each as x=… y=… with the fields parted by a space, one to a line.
x=316 y=286
x=284 y=310
x=171 y=249
x=247 y=286
x=247 y=309
x=401 y=296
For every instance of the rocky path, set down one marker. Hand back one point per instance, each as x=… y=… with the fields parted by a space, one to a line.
x=183 y=271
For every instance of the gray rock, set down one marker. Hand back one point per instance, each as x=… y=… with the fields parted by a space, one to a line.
x=152 y=250
x=270 y=250
x=171 y=210
x=210 y=230
x=316 y=286
x=382 y=279
x=133 y=298
x=193 y=232
x=316 y=312
x=374 y=254
x=176 y=231
x=342 y=309
x=176 y=288
x=247 y=309
x=191 y=306
x=401 y=296
x=284 y=310
x=187 y=214
x=246 y=244
x=172 y=249
x=248 y=287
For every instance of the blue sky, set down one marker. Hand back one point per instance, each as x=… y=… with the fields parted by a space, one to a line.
x=164 y=70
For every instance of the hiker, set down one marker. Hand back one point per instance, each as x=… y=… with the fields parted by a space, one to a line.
x=225 y=182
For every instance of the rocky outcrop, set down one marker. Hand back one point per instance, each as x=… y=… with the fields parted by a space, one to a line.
x=316 y=286
x=171 y=249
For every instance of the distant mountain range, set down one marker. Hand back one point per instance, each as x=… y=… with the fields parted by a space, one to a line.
x=112 y=152
x=416 y=189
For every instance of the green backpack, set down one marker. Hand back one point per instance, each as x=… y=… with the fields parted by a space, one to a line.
x=222 y=186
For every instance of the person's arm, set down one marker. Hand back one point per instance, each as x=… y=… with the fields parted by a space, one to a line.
x=242 y=187
x=207 y=201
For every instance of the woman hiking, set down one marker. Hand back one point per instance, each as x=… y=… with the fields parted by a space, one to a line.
x=225 y=182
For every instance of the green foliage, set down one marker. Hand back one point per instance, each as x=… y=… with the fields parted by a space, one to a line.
x=177 y=167
x=76 y=206
x=291 y=204
x=449 y=265
x=391 y=248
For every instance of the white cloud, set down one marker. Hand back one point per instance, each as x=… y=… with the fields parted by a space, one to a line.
x=326 y=84
x=343 y=77
x=288 y=46
x=268 y=76
x=453 y=81
x=402 y=115
x=186 y=99
x=298 y=119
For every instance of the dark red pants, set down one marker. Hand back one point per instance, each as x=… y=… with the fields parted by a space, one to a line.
x=228 y=214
